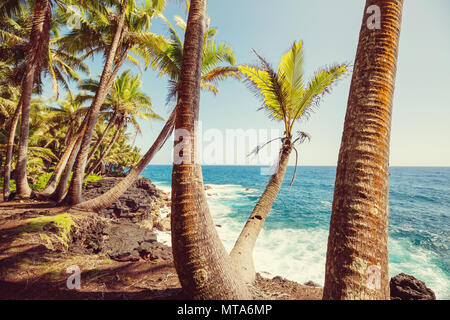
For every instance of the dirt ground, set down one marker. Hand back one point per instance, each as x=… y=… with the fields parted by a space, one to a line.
x=32 y=268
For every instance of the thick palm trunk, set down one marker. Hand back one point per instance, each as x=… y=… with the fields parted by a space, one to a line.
x=357 y=255
x=38 y=39
x=203 y=265
x=242 y=253
x=9 y=152
x=111 y=196
x=106 y=152
x=74 y=195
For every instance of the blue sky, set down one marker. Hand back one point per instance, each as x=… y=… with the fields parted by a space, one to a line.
x=421 y=119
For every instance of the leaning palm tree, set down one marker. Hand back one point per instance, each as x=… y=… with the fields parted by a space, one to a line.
x=286 y=98
x=70 y=111
x=217 y=65
x=130 y=30
x=128 y=102
x=357 y=254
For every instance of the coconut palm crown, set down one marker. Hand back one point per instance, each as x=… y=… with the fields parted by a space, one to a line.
x=286 y=97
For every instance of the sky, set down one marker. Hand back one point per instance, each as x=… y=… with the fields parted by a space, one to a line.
x=329 y=29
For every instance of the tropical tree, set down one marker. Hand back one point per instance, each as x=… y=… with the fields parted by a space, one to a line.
x=286 y=98
x=218 y=60
x=130 y=31
x=58 y=64
x=127 y=103
x=67 y=120
x=203 y=265
x=217 y=64
x=39 y=37
x=357 y=254
x=40 y=153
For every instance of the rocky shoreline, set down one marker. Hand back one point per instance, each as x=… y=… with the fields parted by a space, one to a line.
x=128 y=231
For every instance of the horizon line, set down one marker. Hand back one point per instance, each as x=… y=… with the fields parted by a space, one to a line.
x=309 y=165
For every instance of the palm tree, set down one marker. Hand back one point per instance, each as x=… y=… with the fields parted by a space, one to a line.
x=204 y=268
x=218 y=60
x=217 y=64
x=287 y=99
x=131 y=32
x=127 y=102
x=39 y=37
x=58 y=64
x=74 y=193
x=357 y=254
x=70 y=111
x=39 y=152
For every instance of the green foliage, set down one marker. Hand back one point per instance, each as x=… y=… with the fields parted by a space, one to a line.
x=12 y=184
x=91 y=178
x=42 y=181
x=63 y=224
x=284 y=93
x=218 y=60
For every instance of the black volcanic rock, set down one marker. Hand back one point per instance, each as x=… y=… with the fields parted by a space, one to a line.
x=406 y=287
x=135 y=204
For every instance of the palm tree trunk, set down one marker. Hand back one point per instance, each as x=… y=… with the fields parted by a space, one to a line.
x=52 y=182
x=108 y=198
x=102 y=137
x=116 y=69
x=357 y=254
x=242 y=252
x=203 y=265
x=74 y=194
x=61 y=189
x=106 y=152
x=70 y=131
x=9 y=152
x=38 y=40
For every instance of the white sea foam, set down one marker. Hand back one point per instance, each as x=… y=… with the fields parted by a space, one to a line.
x=162 y=186
x=163 y=237
x=418 y=262
x=164 y=212
x=299 y=254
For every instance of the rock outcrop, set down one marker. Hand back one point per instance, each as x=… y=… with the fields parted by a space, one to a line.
x=124 y=231
x=138 y=203
x=119 y=240
x=406 y=287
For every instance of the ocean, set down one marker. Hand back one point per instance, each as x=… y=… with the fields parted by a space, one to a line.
x=294 y=239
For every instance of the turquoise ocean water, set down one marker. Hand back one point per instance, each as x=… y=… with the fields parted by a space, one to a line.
x=293 y=242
